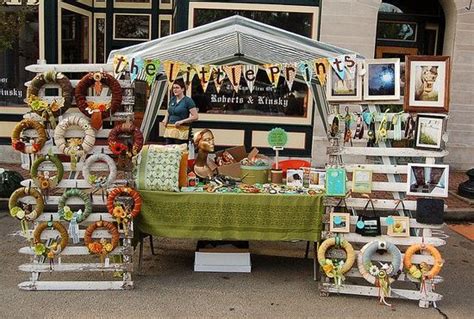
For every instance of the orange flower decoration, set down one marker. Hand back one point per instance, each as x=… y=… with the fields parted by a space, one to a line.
x=117 y=148
x=95 y=247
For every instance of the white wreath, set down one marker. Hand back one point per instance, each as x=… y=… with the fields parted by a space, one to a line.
x=87 y=142
x=86 y=170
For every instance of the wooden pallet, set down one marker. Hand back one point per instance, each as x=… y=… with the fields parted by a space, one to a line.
x=403 y=287
x=115 y=272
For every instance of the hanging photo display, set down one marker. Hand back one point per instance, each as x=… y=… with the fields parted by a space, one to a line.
x=430 y=180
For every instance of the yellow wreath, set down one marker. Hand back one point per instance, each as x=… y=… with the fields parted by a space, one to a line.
x=331 y=270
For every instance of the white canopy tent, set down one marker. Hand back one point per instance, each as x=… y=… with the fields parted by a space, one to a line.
x=228 y=41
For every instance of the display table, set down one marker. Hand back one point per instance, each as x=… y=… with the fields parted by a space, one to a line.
x=231 y=216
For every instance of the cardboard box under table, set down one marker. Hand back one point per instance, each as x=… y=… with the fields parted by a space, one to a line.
x=231 y=216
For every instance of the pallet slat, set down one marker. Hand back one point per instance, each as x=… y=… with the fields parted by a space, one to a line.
x=397 y=241
x=77 y=251
x=76 y=285
x=74 y=267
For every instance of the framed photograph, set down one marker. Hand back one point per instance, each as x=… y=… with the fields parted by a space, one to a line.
x=429 y=131
x=362 y=181
x=429 y=180
x=294 y=177
x=336 y=182
x=132 y=27
x=427 y=83
x=399 y=226
x=348 y=89
x=339 y=222
x=382 y=79
x=317 y=178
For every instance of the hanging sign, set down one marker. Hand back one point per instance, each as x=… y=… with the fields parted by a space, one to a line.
x=351 y=65
x=250 y=74
x=188 y=73
x=234 y=73
x=273 y=72
x=136 y=67
x=218 y=77
x=306 y=70
x=289 y=72
x=151 y=70
x=172 y=69
x=204 y=73
x=321 y=67
x=119 y=63
x=339 y=66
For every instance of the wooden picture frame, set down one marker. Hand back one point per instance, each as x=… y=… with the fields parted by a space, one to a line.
x=427 y=81
x=400 y=227
x=336 y=182
x=429 y=131
x=132 y=27
x=335 y=87
x=382 y=79
x=428 y=180
x=339 y=222
x=362 y=181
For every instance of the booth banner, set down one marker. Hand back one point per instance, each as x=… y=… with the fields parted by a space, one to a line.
x=273 y=72
x=289 y=72
x=321 y=67
x=119 y=64
x=151 y=70
x=339 y=66
x=204 y=73
x=136 y=67
x=351 y=65
x=189 y=71
x=218 y=77
x=250 y=74
x=306 y=70
x=172 y=69
x=234 y=72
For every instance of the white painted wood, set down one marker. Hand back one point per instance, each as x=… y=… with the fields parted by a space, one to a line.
x=413 y=224
x=379 y=204
x=70 y=68
x=51 y=233
x=397 y=241
x=75 y=183
x=76 y=285
x=76 y=251
x=374 y=291
x=47 y=166
x=74 y=267
x=378 y=169
x=384 y=186
x=394 y=152
x=94 y=217
x=74 y=111
x=125 y=84
x=354 y=272
x=53 y=200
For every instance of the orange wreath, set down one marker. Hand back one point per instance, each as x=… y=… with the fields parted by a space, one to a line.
x=423 y=271
x=101 y=247
x=137 y=202
x=116 y=146
x=98 y=111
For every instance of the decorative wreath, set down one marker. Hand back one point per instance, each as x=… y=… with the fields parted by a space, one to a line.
x=42 y=179
x=98 y=111
x=65 y=211
x=58 y=106
x=424 y=270
x=98 y=181
x=117 y=210
x=103 y=246
x=332 y=269
x=24 y=213
x=372 y=273
x=54 y=248
x=37 y=143
x=118 y=147
x=74 y=146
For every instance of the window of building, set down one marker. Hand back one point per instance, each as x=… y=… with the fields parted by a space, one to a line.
x=132 y=27
x=409 y=27
x=166 y=4
x=74 y=35
x=165 y=25
x=100 y=32
x=297 y=19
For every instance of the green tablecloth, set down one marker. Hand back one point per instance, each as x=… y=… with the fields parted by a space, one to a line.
x=231 y=216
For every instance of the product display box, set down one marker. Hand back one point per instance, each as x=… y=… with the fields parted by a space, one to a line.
x=223 y=257
x=238 y=153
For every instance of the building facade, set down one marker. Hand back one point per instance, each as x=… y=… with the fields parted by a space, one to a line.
x=86 y=31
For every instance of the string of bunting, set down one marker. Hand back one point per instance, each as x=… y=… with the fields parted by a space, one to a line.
x=148 y=69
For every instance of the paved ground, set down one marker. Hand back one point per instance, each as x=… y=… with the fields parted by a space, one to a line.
x=280 y=285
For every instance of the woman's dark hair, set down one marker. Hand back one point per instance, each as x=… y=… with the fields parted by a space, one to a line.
x=180 y=82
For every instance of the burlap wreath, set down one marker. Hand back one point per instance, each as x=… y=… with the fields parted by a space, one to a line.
x=74 y=147
x=57 y=107
x=98 y=111
x=44 y=181
x=55 y=248
x=38 y=142
x=17 y=211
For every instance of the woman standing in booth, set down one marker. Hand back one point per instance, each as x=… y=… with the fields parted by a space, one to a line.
x=182 y=111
